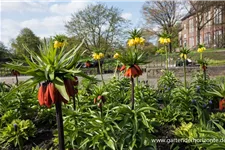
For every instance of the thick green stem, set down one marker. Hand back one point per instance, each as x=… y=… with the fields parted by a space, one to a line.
x=185 y=78
x=17 y=81
x=74 y=103
x=59 y=119
x=161 y=59
x=136 y=81
x=100 y=69
x=20 y=142
x=132 y=92
x=116 y=68
x=201 y=59
x=166 y=58
x=101 y=109
x=77 y=100
x=204 y=73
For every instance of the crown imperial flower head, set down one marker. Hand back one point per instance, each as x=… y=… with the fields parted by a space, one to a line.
x=116 y=56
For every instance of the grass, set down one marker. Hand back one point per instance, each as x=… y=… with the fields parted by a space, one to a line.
x=215 y=57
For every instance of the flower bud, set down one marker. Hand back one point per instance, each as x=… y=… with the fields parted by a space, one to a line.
x=15 y=127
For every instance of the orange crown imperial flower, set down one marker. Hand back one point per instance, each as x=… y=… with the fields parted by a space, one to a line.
x=133 y=71
x=48 y=94
x=15 y=73
x=221 y=104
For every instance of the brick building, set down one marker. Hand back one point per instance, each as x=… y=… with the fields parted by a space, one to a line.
x=211 y=35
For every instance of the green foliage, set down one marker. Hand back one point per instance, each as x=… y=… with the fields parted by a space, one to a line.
x=8 y=117
x=136 y=126
x=145 y=95
x=50 y=65
x=4 y=52
x=218 y=91
x=166 y=83
x=119 y=128
x=189 y=131
x=170 y=115
x=16 y=132
x=118 y=91
x=168 y=80
x=135 y=33
x=216 y=138
x=218 y=117
x=27 y=38
x=131 y=56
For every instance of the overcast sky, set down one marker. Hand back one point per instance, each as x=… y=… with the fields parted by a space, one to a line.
x=47 y=18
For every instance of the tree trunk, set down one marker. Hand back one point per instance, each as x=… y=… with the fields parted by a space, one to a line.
x=198 y=36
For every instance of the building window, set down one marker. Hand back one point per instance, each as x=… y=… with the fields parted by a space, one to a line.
x=185 y=28
x=218 y=15
x=191 y=25
x=207 y=38
x=217 y=38
x=185 y=43
x=191 y=42
x=207 y=18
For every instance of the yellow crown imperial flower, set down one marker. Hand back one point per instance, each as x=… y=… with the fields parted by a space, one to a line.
x=142 y=41
x=183 y=56
x=200 y=50
x=101 y=55
x=164 y=40
x=137 y=40
x=57 y=44
x=168 y=40
x=131 y=42
x=161 y=40
x=95 y=55
x=116 y=56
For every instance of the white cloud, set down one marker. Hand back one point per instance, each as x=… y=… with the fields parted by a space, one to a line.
x=47 y=26
x=23 y=7
x=67 y=8
x=126 y=16
x=9 y=29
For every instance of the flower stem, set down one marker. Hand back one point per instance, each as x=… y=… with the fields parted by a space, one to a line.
x=59 y=119
x=132 y=92
x=204 y=73
x=136 y=81
x=101 y=109
x=20 y=142
x=17 y=81
x=116 y=68
x=74 y=103
x=100 y=69
x=166 y=58
x=185 y=80
x=201 y=60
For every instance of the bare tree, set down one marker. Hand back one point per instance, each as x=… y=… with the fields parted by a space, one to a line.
x=100 y=25
x=162 y=15
x=205 y=12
